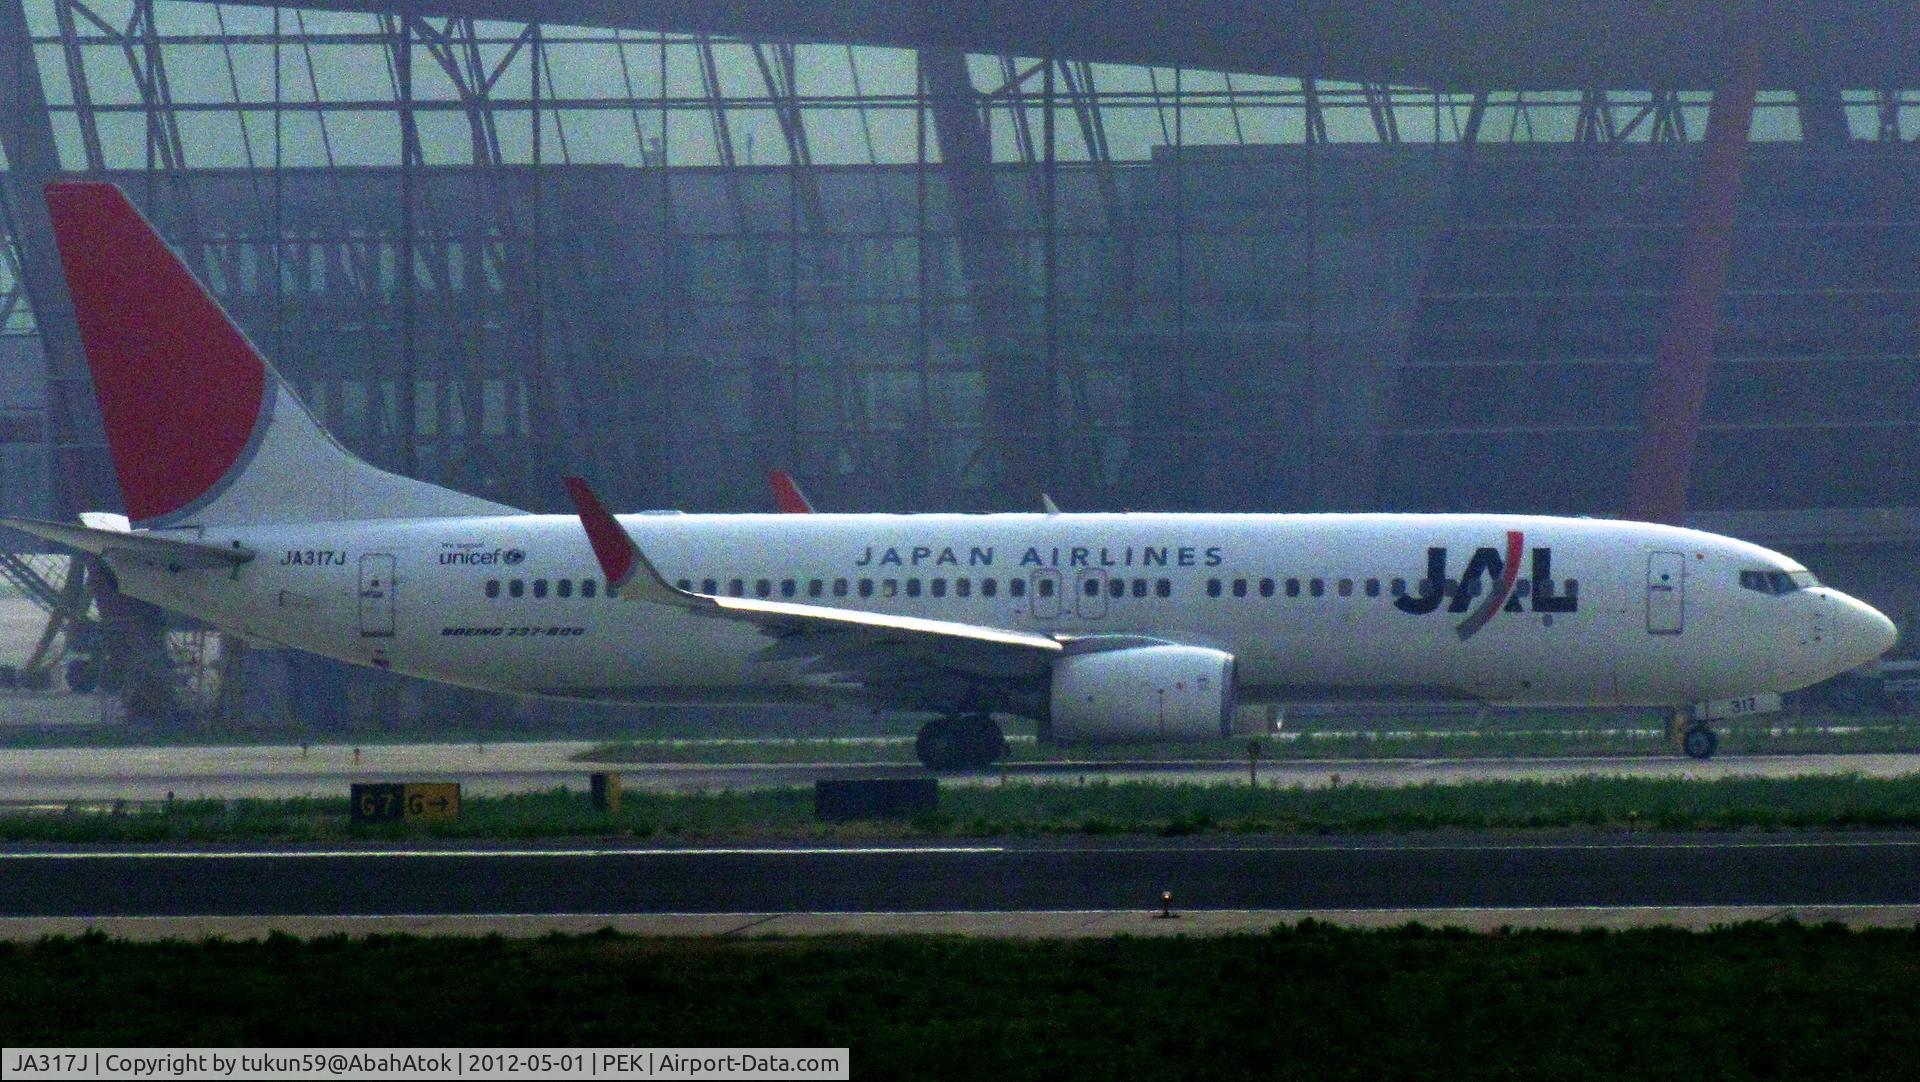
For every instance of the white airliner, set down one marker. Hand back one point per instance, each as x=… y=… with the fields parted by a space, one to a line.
x=244 y=513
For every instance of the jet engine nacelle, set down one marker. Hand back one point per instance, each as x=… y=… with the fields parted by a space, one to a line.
x=1143 y=693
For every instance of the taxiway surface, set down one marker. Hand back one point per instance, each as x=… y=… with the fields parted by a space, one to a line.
x=65 y=774
x=1405 y=872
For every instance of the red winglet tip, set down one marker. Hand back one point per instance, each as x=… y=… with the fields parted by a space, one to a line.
x=611 y=545
x=787 y=495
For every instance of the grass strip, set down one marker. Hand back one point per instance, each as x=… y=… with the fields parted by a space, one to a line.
x=1312 y=1000
x=1509 y=739
x=1816 y=802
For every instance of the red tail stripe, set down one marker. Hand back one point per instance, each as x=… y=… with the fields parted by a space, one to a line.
x=180 y=388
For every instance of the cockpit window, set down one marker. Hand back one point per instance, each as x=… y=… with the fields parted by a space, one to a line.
x=1777 y=582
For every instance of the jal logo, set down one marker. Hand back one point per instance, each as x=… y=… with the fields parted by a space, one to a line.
x=1501 y=570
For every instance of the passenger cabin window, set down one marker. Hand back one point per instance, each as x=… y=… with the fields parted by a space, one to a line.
x=1163 y=588
x=737 y=587
x=788 y=587
x=517 y=588
x=1213 y=587
x=1091 y=587
x=709 y=586
x=539 y=587
x=493 y=587
x=816 y=587
x=1239 y=587
x=913 y=587
x=566 y=586
x=1293 y=587
x=1118 y=587
x=866 y=587
x=1346 y=587
x=1139 y=587
x=1266 y=587
x=988 y=587
x=839 y=587
x=1373 y=587
x=963 y=587
x=1318 y=587
x=1015 y=588
x=588 y=587
x=1045 y=587
x=764 y=587
x=938 y=587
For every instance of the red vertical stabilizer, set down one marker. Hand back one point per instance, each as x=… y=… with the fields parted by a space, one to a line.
x=181 y=390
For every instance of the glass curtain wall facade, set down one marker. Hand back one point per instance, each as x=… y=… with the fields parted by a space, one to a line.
x=921 y=280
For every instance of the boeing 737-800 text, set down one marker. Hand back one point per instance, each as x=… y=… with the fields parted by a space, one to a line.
x=243 y=512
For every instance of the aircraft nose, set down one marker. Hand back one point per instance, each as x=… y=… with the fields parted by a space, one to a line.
x=1862 y=634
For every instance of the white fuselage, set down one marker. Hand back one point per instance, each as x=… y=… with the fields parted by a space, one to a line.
x=1626 y=613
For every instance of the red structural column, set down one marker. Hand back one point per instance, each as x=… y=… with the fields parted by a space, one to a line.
x=1664 y=464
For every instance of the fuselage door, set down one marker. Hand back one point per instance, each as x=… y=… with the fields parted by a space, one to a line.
x=376 y=596
x=1043 y=595
x=1666 y=593
x=1090 y=599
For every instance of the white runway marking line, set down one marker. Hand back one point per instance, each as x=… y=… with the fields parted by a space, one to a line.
x=387 y=854
x=1544 y=847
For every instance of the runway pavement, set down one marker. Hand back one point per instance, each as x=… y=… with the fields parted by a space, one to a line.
x=60 y=774
x=1094 y=875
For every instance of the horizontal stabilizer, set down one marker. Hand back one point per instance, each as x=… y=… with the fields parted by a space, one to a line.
x=145 y=547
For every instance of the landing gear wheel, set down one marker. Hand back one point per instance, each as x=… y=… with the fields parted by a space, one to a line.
x=962 y=743
x=83 y=675
x=1700 y=742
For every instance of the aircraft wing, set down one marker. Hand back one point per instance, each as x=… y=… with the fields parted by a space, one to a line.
x=115 y=540
x=871 y=647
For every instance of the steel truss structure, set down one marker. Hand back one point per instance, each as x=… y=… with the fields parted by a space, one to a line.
x=490 y=253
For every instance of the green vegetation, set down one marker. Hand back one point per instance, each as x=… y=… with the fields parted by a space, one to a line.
x=1846 y=801
x=1749 y=1001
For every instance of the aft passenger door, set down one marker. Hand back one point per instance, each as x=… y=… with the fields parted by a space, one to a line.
x=1666 y=593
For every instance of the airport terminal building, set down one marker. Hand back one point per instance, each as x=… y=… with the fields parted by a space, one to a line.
x=921 y=274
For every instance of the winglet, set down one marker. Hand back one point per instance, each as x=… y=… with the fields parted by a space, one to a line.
x=629 y=572
x=1047 y=504
x=787 y=495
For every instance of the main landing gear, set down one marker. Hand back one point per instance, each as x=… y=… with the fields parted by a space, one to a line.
x=1699 y=742
x=960 y=743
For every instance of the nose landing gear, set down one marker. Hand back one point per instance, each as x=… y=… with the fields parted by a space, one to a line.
x=960 y=743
